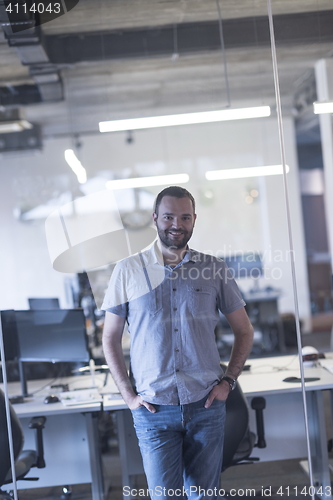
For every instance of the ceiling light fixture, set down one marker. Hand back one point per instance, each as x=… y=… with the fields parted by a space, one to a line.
x=239 y=173
x=11 y=120
x=7 y=127
x=322 y=107
x=184 y=119
x=156 y=180
x=76 y=166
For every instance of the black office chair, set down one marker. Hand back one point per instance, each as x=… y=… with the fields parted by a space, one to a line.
x=24 y=460
x=239 y=441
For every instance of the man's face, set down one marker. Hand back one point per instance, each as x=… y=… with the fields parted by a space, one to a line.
x=175 y=221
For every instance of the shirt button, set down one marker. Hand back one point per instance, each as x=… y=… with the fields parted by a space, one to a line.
x=175 y=308
x=177 y=370
x=176 y=329
x=177 y=350
x=174 y=289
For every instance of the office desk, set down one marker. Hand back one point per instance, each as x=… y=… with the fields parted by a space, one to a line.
x=71 y=444
x=71 y=440
x=283 y=417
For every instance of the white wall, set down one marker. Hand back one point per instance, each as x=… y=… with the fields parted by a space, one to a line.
x=25 y=267
x=226 y=223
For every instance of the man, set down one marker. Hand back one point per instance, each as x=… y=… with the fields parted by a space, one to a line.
x=170 y=295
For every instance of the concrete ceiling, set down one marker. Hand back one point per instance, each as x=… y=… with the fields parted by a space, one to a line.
x=130 y=58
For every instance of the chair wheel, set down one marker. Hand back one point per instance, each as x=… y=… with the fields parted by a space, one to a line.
x=5 y=495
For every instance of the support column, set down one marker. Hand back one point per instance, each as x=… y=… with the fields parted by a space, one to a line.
x=324 y=83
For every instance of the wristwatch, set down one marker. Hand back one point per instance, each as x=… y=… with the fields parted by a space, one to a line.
x=232 y=383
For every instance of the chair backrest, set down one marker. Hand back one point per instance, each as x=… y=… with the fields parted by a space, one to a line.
x=17 y=433
x=236 y=425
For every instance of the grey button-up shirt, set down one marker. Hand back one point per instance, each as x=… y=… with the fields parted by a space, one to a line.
x=171 y=315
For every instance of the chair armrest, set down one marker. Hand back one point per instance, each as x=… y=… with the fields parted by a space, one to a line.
x=37 y=423
x=259 y=404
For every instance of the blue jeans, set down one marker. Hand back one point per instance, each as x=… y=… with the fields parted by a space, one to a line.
x=181 y=448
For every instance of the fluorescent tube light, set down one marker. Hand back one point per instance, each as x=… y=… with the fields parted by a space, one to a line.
x=11 y=120
x=322 y=107
x=76 y=166
x=184 y=119
x=156 y=180
x=239 y=173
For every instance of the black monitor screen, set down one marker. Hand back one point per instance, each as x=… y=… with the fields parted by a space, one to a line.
x=247 y=265
x=52 y=335
x=44 y=303
x=9 y=332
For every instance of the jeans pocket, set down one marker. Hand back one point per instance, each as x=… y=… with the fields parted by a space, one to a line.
x=138 y=408
x=219 y=401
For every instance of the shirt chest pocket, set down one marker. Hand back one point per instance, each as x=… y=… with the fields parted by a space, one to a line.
x=146 y=301
x=201 y=300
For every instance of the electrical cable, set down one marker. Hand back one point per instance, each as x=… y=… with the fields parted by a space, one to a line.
x=224 y=57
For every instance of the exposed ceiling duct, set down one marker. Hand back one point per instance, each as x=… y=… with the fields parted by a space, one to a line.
x=29 y=139
x=127 y=59
x=191 y=37
x=17 y=95
x=25 y=35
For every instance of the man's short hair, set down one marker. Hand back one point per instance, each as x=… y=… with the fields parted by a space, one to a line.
x=177 y=192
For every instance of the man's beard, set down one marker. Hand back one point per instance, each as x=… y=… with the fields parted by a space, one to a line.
x=170 y=243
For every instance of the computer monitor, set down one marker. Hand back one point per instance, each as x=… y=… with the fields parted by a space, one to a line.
x=52 y=335
x=44 y=303
x=11 y=343
x=55 y=335
x=246 y=265
x=9 y=333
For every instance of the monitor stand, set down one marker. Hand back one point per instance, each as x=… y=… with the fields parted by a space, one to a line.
x=255 y=287
x=24 y=386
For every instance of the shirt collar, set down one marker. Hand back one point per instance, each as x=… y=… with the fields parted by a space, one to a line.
x=194 y=255
x=153 y=254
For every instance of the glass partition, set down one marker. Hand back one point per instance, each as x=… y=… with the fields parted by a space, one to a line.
x=260 y=177
x=311 y=144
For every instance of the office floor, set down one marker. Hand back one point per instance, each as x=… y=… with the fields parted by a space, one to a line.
x=269 y=476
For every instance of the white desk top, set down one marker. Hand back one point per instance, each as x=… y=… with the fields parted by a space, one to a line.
x=35 y=406
x=39 y=389
x=114 y=402
x=266 y=376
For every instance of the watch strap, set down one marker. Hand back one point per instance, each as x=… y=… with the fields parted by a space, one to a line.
x=231 y=382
